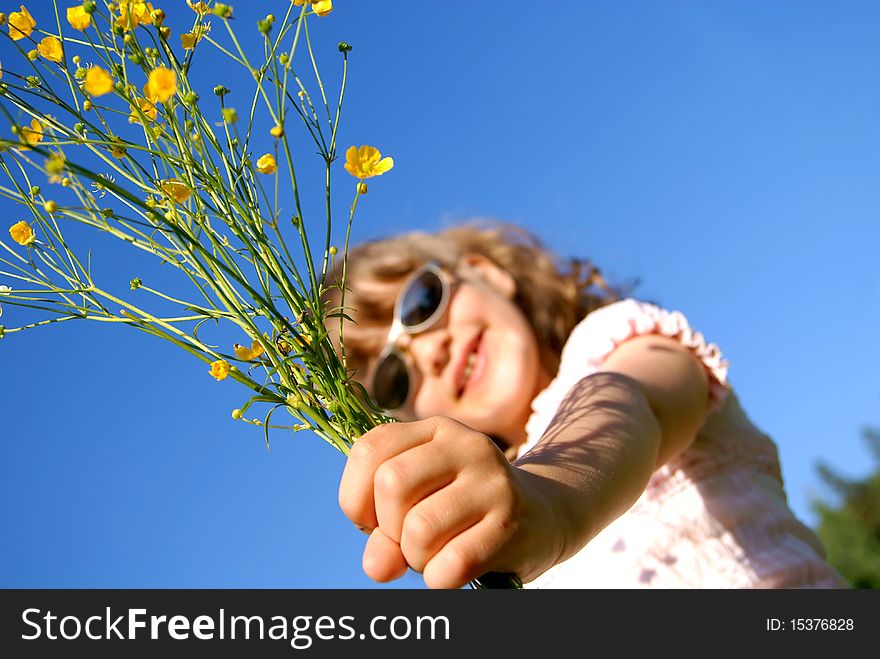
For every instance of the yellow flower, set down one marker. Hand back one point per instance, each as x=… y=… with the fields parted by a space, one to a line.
x=146 y=107
x=248 y=354
x=322 y=7
x=366 y=162
x=78 y=18
x=32 y=135
x=266 y=164
x=201 y=8
x=22 y=233
x=55 y=167
x=219 y=369
x=177 y=190
x=161 y=84
x=50 y=48
x=21 y=24
x=132 y=14
x=117 y=150
x=189 y=40
x=98 y=82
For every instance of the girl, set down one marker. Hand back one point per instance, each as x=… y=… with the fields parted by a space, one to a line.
x=551 y=429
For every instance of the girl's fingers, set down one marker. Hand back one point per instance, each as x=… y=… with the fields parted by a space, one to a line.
x=382 y=560
x=466 y=556
x=435 y=520
x=368 y=453
x=406 y=479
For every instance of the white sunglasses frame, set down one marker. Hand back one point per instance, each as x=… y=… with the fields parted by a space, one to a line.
x=398 y=329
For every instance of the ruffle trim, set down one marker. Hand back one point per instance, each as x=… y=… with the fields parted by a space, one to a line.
x=607 y=327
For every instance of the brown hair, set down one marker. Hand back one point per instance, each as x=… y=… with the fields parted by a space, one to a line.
x=553 y=296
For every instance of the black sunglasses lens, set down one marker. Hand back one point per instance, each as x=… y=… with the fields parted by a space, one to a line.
x=421 y=299
x=391 y=382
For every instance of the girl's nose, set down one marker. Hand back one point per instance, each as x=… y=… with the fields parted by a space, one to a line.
x=428 y=350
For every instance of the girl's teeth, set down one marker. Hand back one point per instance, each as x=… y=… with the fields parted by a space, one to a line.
x=468 y=367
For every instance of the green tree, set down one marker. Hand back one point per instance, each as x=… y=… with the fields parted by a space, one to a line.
x=850 y=527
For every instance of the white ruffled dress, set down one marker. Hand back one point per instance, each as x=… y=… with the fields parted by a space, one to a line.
x=716 y=515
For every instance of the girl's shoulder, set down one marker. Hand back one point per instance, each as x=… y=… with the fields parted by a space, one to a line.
x=602 y=330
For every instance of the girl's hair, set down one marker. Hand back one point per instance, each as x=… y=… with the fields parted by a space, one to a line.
x=553 y=296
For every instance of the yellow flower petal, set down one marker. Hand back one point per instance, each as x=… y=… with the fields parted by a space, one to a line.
x=248 y=354
x=31 y=135
x=322 y=7
x=162 y=84
x=219 y=369
x=266 y=164
x=177 y=190
x=98 y=82
x=132 y=14
x=78 y=18
x=22 y=233
x=146 y=107
x=189 y=40
x=366 y=162
x=201 y=8
x=51 y=49
x=21 y=24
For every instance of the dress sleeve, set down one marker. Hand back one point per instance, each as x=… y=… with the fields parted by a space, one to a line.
x=596 y=337
x=602 y=331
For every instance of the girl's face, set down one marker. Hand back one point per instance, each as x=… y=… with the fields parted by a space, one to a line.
x=480 y=362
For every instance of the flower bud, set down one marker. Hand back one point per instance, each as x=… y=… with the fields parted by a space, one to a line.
x=35 y=190
x=276 y=131
x=222 y=11
x=333 y=250
x=158 y=17
x=165 y=32
x=2 y=18
x=344 y=47
x=230 y=116
x=190 y=98
x=65 y=182
x=50 y=206
x=89 y=7
x=87 y=105
x=221 y=91
x=135 y=283
x=237 y=414
x=128 y=39
x=33 y=54
x=362 y=188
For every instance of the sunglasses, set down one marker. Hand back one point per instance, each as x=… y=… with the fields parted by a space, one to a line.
x=420 y=304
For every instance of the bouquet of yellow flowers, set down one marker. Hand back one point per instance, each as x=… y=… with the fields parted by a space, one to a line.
x=112 y=131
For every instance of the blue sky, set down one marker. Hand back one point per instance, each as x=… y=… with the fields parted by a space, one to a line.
x=726 y=154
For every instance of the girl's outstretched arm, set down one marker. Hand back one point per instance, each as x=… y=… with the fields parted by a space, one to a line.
x=441 y=498
x=613 y=429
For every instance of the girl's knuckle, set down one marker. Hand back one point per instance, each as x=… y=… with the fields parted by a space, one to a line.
x=390 y=479
x=419 y=529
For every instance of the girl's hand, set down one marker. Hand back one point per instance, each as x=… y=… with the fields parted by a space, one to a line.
x=442 y=499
